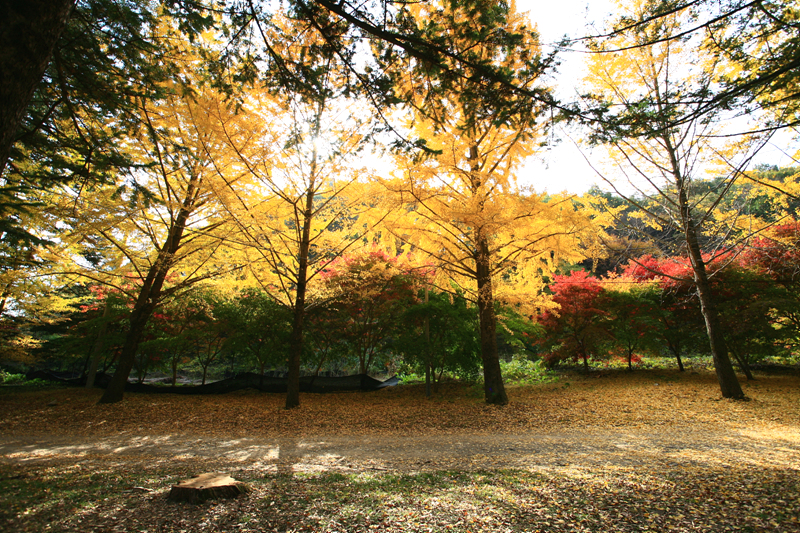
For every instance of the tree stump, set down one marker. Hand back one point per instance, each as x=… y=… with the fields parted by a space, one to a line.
x=207 y=487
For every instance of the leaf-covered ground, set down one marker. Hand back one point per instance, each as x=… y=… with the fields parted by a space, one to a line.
x=652 y=451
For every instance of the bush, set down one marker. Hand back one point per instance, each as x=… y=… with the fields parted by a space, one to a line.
x=7 y=378
x=524 y=371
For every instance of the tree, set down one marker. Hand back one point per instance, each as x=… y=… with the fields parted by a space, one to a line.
x=746 y=302
x=759 y=41
x=106 y=329
x=34 y=36
x=463 y=205
x=633 y=316
x=210 y=336
x=755 y=41
x=681 y=325
x=774 y=254
x=437 y=335
x=64 y=63
x=319 y=205
x=170 y=214
x=655 y=95
x=369 y=291
x=27 y=40
x=576 y=329
x=260 y=328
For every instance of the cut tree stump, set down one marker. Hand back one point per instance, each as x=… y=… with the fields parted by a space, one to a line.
x=207 y=486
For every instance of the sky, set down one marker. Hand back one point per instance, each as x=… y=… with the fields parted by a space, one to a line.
x=564 y=167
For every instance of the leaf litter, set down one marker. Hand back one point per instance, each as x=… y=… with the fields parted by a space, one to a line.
x=651 y=451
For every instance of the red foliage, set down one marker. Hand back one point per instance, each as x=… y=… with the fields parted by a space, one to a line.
x=777 y=257
x=574 y=328
x=671 y=272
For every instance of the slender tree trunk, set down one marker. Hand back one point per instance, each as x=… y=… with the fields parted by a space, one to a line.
x=728 y=383
x=28 y=36
x=142 y=372
x=149 y=296
x=743 y=364
x=677 y=353
x=493 y=387
x=138 y=321
x=428 y=390
x=296 y=338
x=437 y=380
x=296 y=348
x=97 y=349
x=585 y=358
x=4 y=297
x=427 y=332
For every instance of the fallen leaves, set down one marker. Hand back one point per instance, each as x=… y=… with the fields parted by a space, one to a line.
x=688 y=500
x=618 y=400
x=614 y=452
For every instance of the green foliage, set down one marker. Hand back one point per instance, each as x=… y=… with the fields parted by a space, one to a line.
x=8 y=378
x=516 y=334
x=441 y=336
x=522 y=371
x=633 y=321
x=259 y=329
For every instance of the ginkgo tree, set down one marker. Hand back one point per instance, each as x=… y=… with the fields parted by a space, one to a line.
x=462 y=204
x=313 y=201
x=166 y=225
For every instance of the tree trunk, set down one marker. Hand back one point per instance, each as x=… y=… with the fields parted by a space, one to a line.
x=728 y=383
x=493 y=387
x=208 y=486
x=149 y=296
x=585 y=358
x=97 y=349
x=743 y=364
x=138 y=321
x=28 y=36
x=143 y=372
x=428 y=390
x=296 y=339
x=427 y=333
x=296 y=349
x=4 y=298
x=676 y=351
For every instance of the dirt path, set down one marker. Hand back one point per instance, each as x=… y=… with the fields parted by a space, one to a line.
x=657 y=418
x=592 y=447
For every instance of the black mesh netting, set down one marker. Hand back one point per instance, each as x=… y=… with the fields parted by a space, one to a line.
x=318 y=384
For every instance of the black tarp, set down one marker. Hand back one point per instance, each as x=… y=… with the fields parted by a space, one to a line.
x=315 y=384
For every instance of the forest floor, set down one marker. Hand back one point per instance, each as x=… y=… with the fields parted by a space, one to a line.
x=654 y=450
